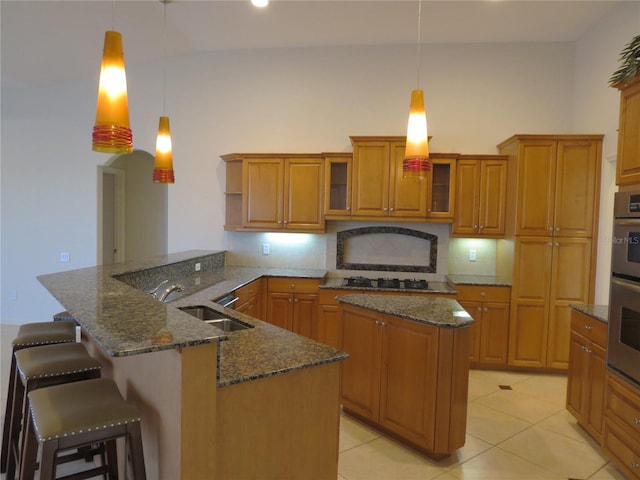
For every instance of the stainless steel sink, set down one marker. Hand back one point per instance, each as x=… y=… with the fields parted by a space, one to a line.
x=228 y=324
x=215 y=318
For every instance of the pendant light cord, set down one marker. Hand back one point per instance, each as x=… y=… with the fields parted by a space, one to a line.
x=418 y=49
x=164 y=62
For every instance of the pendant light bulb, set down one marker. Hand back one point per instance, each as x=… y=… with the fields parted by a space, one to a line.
x=112 y=133
x=163 y=166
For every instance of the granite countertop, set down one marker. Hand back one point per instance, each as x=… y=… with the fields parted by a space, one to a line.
x=599 y=312
x=127 y=321
x=437 y=311
x=489 y=280
x=434 y=287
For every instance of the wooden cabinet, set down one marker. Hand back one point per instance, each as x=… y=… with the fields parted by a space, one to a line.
x=407 y=378
x=489 y=307
x=587 y=372
x=379 y=188
x=292 y=304
x=553 y=187
x=481 y=193
x=549 y=275
x=557 y=183
x=441 y=188
x=628 y=161
x=337 y=193
x=275 y=192
x=250 y=299
x=621 y=439
x=328 y=328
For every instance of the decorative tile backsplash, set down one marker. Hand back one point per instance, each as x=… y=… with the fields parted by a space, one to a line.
x=360 y=249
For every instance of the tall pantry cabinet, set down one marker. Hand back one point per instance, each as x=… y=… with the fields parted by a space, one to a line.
x=550 y=241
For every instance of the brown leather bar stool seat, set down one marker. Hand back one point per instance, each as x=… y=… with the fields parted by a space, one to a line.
x=30 y=335
x=76 y=414
x=63 y=316
x=39 y=367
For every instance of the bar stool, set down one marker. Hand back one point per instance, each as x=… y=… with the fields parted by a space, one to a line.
x=30 y=335
x=76 y=414
x=40 y=367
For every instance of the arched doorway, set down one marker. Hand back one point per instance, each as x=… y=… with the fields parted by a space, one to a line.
x=132 y=210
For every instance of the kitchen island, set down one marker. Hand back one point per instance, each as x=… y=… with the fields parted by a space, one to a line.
x=206 y=394
x=408 y=369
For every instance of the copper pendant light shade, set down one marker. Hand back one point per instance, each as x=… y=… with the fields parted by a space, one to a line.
x=163 y=167
x=112 y=133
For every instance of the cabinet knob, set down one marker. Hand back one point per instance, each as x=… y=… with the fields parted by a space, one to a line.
x=391 y=209
x=285 y=222
x=295 y=300
x=551 y=229
x=348 y=208
x=557 y=244
x=293 y=285
x=482 y=294
x=377 y=322
x=384 y=209
x=481 y=227
x=587 y=328
x=382 y=324
x=557 y=229
x=549 y=244
x=485 y=309
x=636 y=421
x=634 y=465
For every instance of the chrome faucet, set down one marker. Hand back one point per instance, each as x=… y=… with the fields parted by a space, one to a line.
x=154 y=292
x=176 y=287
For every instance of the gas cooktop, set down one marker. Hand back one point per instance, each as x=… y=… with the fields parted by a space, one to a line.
x=391 y=283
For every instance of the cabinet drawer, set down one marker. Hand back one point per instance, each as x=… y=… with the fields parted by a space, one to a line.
x=328 y=297
x=293 y=285
x=590 y=328
x=624 y=448
x=623 y=404
x=481 y=293
x=249 y=291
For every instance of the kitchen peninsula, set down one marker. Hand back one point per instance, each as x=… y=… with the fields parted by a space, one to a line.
x=408 y=370
x=207 y=394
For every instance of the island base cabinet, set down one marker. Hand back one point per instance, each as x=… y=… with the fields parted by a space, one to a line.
x=283 y=427
x=406 y=378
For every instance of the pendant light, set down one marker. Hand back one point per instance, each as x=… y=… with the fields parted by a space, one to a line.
x=111 y=132
x=163 y=165
x=416 y=157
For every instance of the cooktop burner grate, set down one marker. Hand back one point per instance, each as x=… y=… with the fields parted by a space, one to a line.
x=386 y=283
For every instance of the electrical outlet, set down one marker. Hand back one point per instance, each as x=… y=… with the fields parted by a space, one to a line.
x=64 y=257
x=266 y=249
x=473 y=255
x=197 y=267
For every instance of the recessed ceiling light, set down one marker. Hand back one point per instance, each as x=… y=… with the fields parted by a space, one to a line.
x=260 y=3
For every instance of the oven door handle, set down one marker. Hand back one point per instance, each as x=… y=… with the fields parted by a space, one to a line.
x=635 y=286
x=627 y=222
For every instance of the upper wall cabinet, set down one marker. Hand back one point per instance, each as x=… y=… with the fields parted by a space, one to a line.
x=337 y=185
x=558 y=181
x=273 y=192
x=628 y=162
x=481 y=194
x=381 y=191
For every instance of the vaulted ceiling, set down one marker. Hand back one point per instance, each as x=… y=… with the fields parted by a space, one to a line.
x=46 y=42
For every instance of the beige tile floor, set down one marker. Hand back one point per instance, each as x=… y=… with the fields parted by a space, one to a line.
x=520 y=434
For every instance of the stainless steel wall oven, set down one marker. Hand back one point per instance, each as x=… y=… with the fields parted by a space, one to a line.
x=623 y=349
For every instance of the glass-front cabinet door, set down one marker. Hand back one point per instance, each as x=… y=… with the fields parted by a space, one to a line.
x=338 y=185
x=441 y=192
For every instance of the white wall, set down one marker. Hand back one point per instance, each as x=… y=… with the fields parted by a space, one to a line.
x=303 y=100
x=596 y=109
